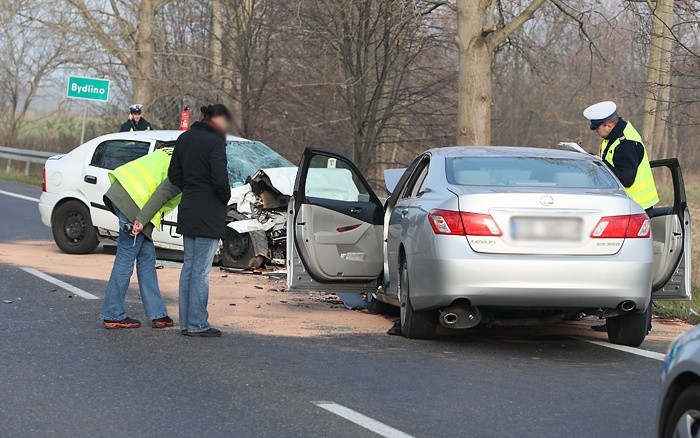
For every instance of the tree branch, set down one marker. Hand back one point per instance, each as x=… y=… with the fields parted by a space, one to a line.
x=497 y=38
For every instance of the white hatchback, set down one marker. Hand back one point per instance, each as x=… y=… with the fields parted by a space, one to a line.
x=75 y=183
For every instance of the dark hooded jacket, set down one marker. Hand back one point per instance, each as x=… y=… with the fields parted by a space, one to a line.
x=199 y=168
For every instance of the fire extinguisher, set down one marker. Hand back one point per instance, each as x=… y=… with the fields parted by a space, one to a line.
x=185 y=119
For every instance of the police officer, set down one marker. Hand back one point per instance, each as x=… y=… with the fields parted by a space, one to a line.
x=624 y=152
x=136 y=121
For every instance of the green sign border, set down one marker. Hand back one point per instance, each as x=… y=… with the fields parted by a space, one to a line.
x=109 y=85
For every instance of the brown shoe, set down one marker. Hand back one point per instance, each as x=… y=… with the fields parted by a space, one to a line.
x=163 y=322
x=124 y=323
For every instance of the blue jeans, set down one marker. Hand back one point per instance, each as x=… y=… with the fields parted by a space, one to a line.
x=143 y=253
x=194 y=282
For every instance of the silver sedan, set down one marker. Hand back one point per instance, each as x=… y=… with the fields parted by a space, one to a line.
x=491 y=236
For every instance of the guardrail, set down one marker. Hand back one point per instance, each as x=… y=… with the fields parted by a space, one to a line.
x=23 y=155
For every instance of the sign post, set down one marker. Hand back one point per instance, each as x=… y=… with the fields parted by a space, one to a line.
x=87 y=89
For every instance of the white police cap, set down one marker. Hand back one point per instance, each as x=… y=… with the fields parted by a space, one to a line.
x=600 y=112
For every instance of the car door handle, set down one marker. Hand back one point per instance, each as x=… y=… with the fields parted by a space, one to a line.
x=404 y=212
x=355 y=210
x=90 y=179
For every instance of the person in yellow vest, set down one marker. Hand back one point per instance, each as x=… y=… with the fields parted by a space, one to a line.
x=133 y=185
x=624 y=152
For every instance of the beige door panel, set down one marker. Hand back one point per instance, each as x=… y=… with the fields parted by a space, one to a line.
x=668 y=245
x=353 y=253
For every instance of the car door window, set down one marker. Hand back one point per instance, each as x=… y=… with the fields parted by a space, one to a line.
x=114 y=153
x=332 y=179
x=415 y=183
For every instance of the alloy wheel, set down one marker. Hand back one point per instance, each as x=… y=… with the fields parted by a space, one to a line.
x=688 y=425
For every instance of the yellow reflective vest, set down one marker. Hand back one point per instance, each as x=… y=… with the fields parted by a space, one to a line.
x=141 y=177
x=643 y=190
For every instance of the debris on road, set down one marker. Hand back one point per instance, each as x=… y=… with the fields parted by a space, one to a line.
x=352 y=300
x=7 y=301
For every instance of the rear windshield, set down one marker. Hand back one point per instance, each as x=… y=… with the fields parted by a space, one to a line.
x=529 y=172
x=246 y=157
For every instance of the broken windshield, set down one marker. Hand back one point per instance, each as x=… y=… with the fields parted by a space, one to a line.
x=245 y=157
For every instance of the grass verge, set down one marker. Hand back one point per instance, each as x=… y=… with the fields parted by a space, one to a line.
x=21 y=177
x=688 y=311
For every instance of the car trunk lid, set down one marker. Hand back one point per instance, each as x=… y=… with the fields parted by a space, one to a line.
x=538 y=222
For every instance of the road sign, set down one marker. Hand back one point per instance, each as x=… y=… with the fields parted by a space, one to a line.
x=88 y=88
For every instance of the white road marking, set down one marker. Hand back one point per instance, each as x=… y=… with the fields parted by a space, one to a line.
x=362 y=420
x=62 y=284
x=626 y=349
x=17 y=195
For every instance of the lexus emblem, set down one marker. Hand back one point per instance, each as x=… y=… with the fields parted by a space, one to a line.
x=546 y=200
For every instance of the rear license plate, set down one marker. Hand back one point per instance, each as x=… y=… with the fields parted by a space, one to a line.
x=546 y=229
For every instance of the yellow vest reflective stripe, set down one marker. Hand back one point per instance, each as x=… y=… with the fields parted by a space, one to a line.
x=141 y=177
x=643 y=190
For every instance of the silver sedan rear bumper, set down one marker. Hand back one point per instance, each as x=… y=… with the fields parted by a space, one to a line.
x=454 y=271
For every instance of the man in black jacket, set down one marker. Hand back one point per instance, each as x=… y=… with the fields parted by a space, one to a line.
x=199 y=168
x=136 y=121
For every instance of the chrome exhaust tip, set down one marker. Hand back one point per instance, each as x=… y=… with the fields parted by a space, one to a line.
x=628 y=305
x=450 y=318
x=460 y=317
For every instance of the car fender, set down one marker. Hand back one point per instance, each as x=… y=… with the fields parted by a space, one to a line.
x=69 y=196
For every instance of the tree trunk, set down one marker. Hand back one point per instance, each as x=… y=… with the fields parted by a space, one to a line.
x=660 y=139
x=475 y=98
x=217 y=34
x=144 y=74
x=656 y=106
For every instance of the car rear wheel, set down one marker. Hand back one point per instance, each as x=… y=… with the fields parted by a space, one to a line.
x=629 y=328
x=72 y=228
x=414 y=324
x=684 y=418
x=238 y=251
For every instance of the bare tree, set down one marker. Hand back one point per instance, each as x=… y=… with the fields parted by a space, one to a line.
x=366 y=51
x=30 y=55
x=126 y=31
x=479 y=34
x=658 y=86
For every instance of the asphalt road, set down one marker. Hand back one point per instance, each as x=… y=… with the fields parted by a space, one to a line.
x=62 y=375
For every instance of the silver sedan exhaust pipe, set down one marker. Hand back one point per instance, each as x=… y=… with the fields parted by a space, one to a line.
x=460 y=317
x=628 y=305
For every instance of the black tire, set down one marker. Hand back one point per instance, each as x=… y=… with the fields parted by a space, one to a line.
x=685 y=414
x=414 y=324
x=377 y=307
x=629 y=328
x=72 y=228
x=238 y=251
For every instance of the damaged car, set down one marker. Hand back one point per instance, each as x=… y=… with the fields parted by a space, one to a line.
x=257 y=228
x=74 y=184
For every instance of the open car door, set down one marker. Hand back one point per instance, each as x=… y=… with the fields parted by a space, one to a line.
x=671 y=232
x=335 y=227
